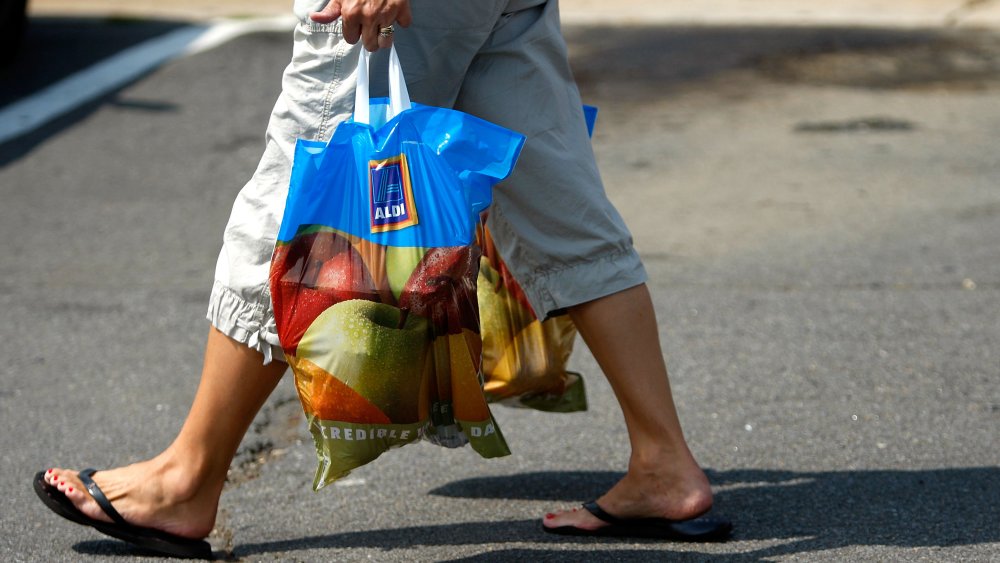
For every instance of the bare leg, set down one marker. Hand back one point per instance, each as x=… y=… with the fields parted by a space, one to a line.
x=178 y=490
x=663 y=478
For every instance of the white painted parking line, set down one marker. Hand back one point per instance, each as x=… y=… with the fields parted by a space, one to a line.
x=114 y=72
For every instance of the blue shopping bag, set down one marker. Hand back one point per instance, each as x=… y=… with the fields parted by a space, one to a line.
x=373 y=277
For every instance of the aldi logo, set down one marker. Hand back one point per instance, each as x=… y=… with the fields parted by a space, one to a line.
x=390 y=195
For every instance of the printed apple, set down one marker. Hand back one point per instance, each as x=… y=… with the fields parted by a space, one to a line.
x=374 y=350
x=296 y=258
x=311 y=273
x=295 y=308
x=442 y=288
x=346 y=277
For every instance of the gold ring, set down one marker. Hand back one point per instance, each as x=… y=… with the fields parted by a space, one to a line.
x=385 y=31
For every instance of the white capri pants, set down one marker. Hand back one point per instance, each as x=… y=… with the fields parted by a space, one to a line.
x=501 y=60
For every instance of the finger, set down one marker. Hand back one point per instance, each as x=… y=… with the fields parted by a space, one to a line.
x=328 y=14
x=384 y=39
x=369 y=36
x=352 y=30
x=404 y=17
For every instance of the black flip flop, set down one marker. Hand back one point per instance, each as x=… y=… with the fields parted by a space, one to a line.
x=702 y=529
x=146 y=538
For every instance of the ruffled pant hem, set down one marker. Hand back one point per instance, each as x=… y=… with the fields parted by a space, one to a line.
x=228 y=312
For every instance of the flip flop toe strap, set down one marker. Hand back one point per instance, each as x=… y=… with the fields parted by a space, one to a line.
x=595 y=509
x=86 y=477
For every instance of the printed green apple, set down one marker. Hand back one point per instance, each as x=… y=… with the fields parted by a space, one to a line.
x=400 y=261
x=365 y=345
x=442 y=288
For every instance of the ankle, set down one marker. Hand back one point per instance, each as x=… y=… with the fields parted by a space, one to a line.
x=659 y=459
x=187 y=477
x=678 y=471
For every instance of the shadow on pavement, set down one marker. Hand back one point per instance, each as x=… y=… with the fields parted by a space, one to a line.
x=56 y=48
x=642 y=62
x=578 y=555
x=809 y=511
x=936 y=507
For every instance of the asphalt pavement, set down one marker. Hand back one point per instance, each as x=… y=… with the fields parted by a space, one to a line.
x=819 y=214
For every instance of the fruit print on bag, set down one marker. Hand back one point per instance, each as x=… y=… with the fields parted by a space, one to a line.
x=371 y=299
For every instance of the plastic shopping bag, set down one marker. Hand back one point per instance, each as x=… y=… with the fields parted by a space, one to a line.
x=373 y=277
x=524 y=357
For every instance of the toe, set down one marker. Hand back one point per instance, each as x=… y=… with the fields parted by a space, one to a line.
x=74 y=494
x=65 y=480
x=68 y=482
x=574 y=517
x=58 y=475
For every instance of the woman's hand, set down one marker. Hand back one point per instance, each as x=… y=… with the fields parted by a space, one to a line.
x=363 y=19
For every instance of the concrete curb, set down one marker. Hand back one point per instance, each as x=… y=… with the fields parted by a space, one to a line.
x=791 y=13
x=971 y=14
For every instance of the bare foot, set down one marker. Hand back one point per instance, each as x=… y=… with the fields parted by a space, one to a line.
x=658 y=493
x=147 y=494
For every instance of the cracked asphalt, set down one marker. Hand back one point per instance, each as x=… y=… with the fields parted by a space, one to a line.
x=819 y=214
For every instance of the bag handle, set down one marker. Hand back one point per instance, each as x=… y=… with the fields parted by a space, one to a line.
x=399 y=98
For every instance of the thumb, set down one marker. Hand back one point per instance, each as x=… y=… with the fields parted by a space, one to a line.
x=328 y=14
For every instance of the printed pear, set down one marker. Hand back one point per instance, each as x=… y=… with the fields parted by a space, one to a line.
x=400 y=261
x=374 y=257
x=362 y=344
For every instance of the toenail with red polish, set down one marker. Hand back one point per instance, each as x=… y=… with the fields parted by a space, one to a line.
x=549 y=516
x=61 y=483
x=49 y=471
x=71 y=489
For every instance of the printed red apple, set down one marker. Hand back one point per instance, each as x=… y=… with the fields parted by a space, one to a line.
x=310 y=274
x=442 y=288
x=346 y=277
x=291 y=259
